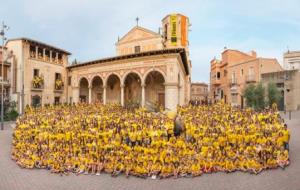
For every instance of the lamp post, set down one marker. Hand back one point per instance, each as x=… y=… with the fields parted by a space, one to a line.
x=4 y=28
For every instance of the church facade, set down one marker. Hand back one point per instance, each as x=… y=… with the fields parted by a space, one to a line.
x=149 y=69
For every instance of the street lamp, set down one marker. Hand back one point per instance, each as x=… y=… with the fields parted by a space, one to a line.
x=4 y=28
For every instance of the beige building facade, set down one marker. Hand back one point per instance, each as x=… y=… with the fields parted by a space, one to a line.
x=149 y=69
x=291 y=60
x=36 y=60
x=288 y=81
x=199 y=92
x=236 y=69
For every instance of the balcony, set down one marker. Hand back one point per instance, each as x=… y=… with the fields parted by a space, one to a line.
x=232 y=82
x=5 y=82
x=45 y=58
x=250 y=78
x=234 y=89
x=216 y=82
x=6 y=63
x=37 y=83
x=59 y=86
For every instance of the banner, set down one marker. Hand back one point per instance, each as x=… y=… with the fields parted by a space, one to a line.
x=183 y=31
x=173 y=22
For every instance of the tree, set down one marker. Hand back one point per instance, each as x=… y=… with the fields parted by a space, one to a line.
x=249 y=94
x=259 y=97
x=274 y=94
x=255 y=96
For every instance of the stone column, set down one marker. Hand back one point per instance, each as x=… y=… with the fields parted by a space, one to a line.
x=104 y=95
x=50 y=55
x=143 y=95
x=44 y=56
x=36 y=52
x=171 y=96
x=76 y=94
x=56 y=57
x=90 y=94
x=122 y=94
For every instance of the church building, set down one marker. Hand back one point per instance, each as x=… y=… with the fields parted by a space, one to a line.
x=150 y=68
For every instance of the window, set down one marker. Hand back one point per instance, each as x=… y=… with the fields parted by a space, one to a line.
x=40 y=53
x=242 y=72
x=47 y=55
x=36 y=101
x=251 y=71
x=56 y=100
x=35 y=72
x=59 y=57
x=32 y=51
x=218 y=75
x=166 y=31
x=69 y=81
x=137 y=49
x=233 y=77
x=53 y=56
x=57 y=76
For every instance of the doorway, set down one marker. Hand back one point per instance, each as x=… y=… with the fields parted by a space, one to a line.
x=161 y=99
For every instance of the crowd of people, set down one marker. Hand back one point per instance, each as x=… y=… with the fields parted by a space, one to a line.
x=91 y=139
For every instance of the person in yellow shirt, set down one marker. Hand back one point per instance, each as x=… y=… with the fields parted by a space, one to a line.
x=196 y=168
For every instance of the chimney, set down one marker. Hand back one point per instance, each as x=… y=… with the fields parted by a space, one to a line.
x=253 y=53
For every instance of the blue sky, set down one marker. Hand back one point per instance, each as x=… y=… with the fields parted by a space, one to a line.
x=90 y=28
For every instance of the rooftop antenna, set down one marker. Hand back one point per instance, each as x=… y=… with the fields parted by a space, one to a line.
x=137 y=21
x=288 y=49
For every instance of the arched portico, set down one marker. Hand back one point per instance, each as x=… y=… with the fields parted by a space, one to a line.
x=83 y=90
x=132 y=88
x=154 y=88
x=113 y=89
x=97 y=89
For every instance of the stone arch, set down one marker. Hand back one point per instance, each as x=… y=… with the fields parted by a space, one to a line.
x=113 y=88
x=79 y=80
x=97 y=89
x=151 y=70
x=155 y=88
x=83 y=89
x=132 y=88
x=108 y=75
x=131 y=72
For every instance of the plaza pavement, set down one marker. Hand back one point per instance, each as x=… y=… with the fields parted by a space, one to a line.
x=14 y=178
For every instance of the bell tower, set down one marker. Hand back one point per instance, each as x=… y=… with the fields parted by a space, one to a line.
x=175 y=29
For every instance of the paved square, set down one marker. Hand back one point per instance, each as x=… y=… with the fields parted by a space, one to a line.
x=14 y=178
